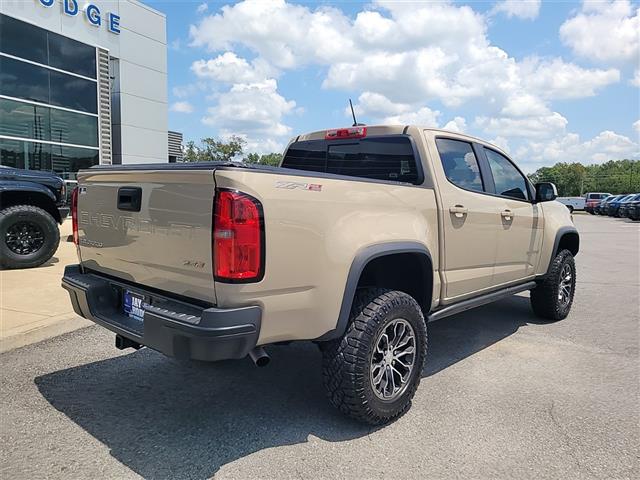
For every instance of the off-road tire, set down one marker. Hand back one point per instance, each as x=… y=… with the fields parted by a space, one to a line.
x=346 y=361
x=43 y=220
x=545 y=298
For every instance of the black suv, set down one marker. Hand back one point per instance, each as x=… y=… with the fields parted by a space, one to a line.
x=32 y=203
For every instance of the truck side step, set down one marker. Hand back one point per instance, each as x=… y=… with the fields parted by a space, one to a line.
x=478 y=301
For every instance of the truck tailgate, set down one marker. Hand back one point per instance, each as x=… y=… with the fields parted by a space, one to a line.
x=149 y=227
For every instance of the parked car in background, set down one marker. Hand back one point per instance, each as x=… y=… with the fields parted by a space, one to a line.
x=633 y=210
x=32 y=203
x=601 y=208
x=572 y=203
x=614 y=205
x=592 y=199
x=624 y=205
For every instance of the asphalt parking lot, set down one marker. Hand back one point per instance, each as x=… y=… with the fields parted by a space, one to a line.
x=502 y=396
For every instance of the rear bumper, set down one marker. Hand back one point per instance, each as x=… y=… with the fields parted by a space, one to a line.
x=175 y=328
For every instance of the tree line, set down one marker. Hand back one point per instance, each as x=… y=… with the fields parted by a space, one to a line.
x=232 y=149
x=576 y=179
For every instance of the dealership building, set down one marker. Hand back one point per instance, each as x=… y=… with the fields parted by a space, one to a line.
x=82 y=83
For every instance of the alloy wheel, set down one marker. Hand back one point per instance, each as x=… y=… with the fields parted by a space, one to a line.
x=393 y=359
x=566 y=285
x=24 y=238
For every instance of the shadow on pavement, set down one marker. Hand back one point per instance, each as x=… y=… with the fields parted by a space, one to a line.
x=165 y=419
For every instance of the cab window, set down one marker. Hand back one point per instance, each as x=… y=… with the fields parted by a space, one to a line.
x=508 y=180
x=460 y=164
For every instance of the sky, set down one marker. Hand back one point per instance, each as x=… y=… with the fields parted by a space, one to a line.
x=547 y=81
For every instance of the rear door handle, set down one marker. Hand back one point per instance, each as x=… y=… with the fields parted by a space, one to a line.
x=507 y=215
x=458 y=210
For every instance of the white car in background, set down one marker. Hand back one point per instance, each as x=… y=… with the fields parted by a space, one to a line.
x=572 y=203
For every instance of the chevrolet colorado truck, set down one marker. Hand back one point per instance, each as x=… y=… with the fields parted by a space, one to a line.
x=32 y=203
x=361 y=237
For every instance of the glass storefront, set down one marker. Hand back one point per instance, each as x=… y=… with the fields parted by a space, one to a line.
x=26 y=120
x=48 y=100
x=63 y=160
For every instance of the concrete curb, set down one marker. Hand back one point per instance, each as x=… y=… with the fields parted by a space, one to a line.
x=48 y=328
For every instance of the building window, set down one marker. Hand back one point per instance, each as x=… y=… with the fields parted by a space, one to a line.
x=56 y=78
x=61 y=159
x=18 y=119
x=73 y=92
x=23 y=40
x=72 y=56
x=24 y=80
x=29 y=155
x=27 y=41
x=39 y=84
x=66 y=161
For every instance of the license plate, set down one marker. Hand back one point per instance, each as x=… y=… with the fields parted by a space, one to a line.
x=133 y=305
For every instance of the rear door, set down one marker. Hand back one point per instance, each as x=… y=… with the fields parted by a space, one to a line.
x=149 y=227
x=470 y=219
x=519 y=237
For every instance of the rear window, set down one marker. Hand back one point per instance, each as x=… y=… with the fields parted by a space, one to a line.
x=376 y=158
x=597 y=196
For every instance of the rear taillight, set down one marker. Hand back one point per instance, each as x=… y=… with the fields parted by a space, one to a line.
x=351 y=132
x=74 y=214
x=238 y=238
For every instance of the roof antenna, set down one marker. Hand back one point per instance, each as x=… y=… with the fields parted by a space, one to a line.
x=353 y=114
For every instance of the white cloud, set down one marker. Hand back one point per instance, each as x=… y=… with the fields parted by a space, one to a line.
x=402 y=58
x=605 y=146
x=293 y=34
x=253 y=109
x=538 y=126
x=604 y=31
x=382 y=110
x=458 y=124
x=636 y=126
x=526 y=9
x=556 y=79
x=181 y=107
x=377 y=106
x=203 y=7
x=501 y=142
x=423 y=116
x=635 y=81
x=229 y=68
x=185 y=91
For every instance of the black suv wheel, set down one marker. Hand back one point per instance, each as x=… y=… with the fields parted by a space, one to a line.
x=373 y=371
x=29 y=236
x=553 y=297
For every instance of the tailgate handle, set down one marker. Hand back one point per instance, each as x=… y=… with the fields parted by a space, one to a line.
x=129 y=199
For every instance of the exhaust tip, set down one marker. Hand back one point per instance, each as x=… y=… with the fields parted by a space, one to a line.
x=260 y=357
x=123 y=343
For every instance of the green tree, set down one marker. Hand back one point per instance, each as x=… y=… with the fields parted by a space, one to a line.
x=213 y=150
x=190 y=152
x=575 y=179
x=272 y=159
x=252 y=158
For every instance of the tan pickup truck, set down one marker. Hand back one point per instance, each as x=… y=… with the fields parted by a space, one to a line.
x=360 y=238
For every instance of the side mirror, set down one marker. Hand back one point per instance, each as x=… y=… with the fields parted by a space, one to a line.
x=546 y=192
